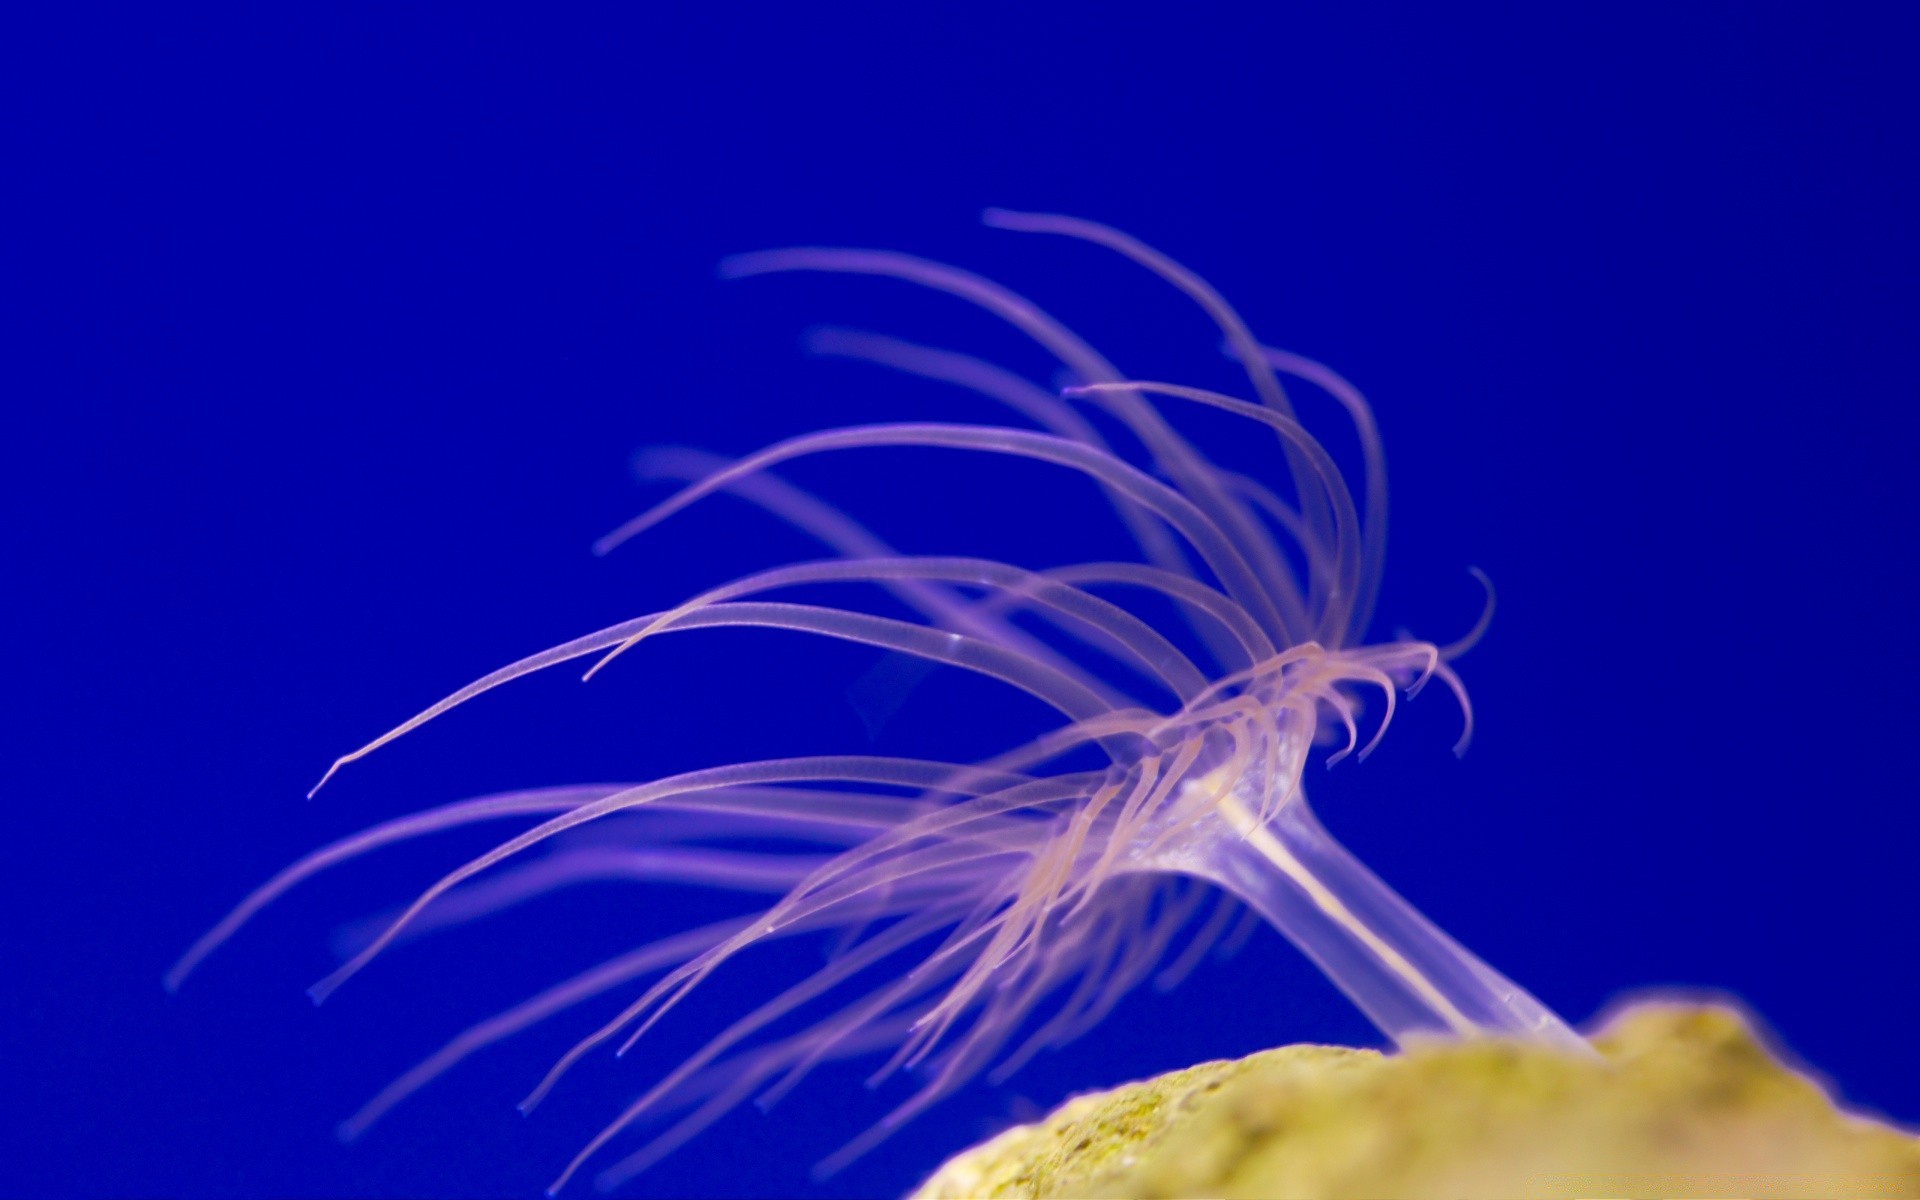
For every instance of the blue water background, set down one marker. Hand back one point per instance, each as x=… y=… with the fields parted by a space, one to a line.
x=329 y=340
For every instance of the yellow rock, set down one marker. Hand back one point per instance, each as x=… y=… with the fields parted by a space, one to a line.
x=1684 y=1100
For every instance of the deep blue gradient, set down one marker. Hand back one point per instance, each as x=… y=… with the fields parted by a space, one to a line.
x=328 y=344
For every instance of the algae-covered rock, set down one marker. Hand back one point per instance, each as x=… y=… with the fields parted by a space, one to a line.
x=1683 y=1100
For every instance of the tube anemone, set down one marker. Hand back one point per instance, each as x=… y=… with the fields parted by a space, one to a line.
x=982 y=911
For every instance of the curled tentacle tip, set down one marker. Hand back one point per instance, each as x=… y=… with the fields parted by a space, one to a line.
x=319 y=992
x=315 y=789
x=1455 y=649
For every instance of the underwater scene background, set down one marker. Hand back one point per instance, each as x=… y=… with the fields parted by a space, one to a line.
x=331 y=340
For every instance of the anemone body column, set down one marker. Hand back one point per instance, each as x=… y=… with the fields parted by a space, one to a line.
x=1410 y=978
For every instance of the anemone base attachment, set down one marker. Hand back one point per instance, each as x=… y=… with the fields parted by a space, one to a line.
x=1684 y=1100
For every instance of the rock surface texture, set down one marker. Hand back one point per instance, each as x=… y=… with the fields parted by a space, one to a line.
x=1683 y=1100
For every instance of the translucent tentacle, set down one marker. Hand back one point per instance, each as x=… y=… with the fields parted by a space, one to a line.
x=1215 y=548
x=882 y=945
x=809 y=513
x=733 y=870
x=577 y=990
x=1030 y=400
x=1345 y=531
x=796 y=910
x=434 y=820
x=855 y=769
x=799 y=617
x=1373 y=458
x=1172 y=453
x=1148 y=649
x=1190 y=593
x=1259 y=373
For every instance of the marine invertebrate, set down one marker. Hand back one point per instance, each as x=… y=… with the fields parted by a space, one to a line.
x=985 y=910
